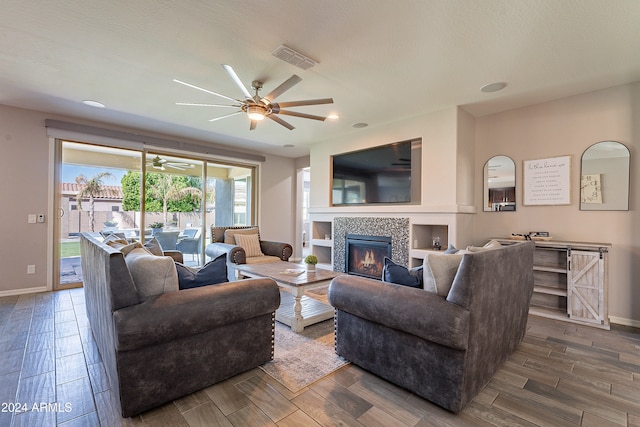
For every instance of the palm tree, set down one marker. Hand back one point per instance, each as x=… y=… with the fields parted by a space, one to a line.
x=90 y=188
x=166 y=189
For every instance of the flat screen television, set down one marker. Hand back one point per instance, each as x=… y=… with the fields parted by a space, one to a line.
x=386 y=174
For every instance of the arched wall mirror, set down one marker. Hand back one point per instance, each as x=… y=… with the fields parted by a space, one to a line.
x=604 y=177
x=499 y=184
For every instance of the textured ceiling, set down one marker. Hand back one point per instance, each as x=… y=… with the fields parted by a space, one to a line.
x=381 y=61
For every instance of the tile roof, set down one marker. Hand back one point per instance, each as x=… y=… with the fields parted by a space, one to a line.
x=106 y=192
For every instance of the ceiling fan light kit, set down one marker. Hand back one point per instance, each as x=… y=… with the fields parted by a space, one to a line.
x=256 y=107
x=256 y=112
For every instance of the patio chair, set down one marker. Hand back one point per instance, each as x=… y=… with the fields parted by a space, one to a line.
x=190 y=243
x=168 y=239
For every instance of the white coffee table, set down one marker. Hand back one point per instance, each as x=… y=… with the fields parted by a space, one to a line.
x=296 y=310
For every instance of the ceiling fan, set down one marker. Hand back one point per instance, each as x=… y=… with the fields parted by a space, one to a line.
x=160 y=163
x=256 y=107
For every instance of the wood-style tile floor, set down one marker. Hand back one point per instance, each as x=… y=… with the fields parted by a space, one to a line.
x=562 y=375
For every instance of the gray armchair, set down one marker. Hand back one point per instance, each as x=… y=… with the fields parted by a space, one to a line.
x=237 y=255
x=221 y=243
x=444 y=349
x=159 y=348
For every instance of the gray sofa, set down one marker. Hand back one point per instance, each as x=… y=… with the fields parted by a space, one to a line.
x=444 y=349
x=169 y=345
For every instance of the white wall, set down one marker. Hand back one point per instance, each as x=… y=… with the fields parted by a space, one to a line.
x=439 y=133
x=568 y=127
x=24 y=172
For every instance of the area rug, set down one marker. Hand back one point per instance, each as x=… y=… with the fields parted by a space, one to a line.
x=304 y=358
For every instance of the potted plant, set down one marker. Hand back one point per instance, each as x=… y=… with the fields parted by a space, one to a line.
x=311 y=261
x=155 y=227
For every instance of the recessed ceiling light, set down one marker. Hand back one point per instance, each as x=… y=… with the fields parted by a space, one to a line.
x=360 y=125
x=333 y=116
x=493 y=87
x=91 y=103
x=288 y=145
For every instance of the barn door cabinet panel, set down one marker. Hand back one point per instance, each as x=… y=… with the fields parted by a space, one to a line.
x=587 y=286
x=571 y=281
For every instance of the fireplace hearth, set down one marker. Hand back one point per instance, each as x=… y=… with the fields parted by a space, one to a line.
x=365 y=254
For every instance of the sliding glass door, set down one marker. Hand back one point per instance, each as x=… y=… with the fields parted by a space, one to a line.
x=173 y=204
x=140 y=195
x=90 y=199
x=230 y=198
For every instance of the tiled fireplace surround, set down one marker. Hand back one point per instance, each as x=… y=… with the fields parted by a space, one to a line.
x=396 y=228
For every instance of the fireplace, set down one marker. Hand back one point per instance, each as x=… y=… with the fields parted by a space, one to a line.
x=364 y=255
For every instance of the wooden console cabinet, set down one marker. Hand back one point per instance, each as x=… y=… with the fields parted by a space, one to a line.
x=571 y=281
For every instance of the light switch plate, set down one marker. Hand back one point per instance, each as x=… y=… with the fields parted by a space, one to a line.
x=31 y=218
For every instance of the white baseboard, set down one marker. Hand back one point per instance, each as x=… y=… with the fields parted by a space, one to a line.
x=624 y=321
x=23 y=291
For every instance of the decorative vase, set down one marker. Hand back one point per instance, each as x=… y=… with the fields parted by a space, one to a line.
x=311 y=268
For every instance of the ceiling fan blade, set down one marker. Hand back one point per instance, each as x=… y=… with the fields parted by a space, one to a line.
x=285 y=86
x=178 y=167
x=181 y=166
x=303 y=115
x=306 y=102
x=253 y=124
x=193 y=104
x=280 y=121
x=237 y=81
x=205 y=90
x=225 y=116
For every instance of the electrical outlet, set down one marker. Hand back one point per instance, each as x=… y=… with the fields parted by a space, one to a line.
x=40 y=218
x=31 y=269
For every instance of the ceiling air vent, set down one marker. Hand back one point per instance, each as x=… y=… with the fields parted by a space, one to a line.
x=294 y=58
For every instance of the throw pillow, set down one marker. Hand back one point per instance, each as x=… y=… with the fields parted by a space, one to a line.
x=128 y=248
x=211 y=273
x=451 y=249
x=439 y=272
x=491 y=244
x=230 y=233
x=401 y=275
x=154 y=247
x=152 y=275
x=250 y=243
x=115 y=241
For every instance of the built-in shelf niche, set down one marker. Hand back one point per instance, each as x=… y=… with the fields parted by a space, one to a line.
x=422 y=237
x=322 y=243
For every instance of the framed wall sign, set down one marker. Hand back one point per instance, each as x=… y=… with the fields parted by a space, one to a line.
x=547 y=181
